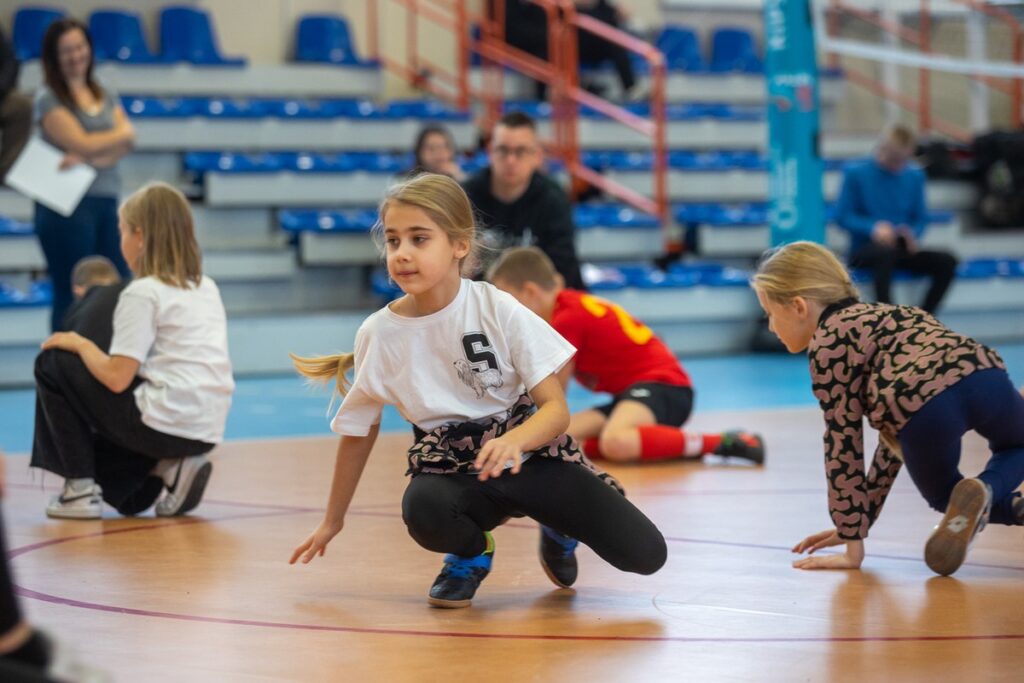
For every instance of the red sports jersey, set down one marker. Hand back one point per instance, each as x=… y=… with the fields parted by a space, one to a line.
x=614 y=350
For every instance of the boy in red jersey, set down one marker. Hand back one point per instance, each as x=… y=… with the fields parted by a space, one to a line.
x=618 y=355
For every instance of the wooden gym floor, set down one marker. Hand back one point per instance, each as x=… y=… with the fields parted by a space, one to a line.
x=212 y=598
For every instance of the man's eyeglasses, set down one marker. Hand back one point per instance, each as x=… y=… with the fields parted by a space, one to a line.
x=517 y=152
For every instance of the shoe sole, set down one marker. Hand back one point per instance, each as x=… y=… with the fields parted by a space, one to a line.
x=74 y=514
x=449 y=604
x=946 y=549
x=195 y=491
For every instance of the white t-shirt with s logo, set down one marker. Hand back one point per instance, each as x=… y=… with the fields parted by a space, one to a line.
x=468 y=361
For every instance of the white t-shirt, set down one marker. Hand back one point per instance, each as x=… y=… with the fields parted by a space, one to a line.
x=471 y=360
x=180 y=338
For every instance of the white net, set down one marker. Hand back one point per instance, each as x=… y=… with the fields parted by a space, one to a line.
x=899 y=11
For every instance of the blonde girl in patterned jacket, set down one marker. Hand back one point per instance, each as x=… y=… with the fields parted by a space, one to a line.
x=474 y=372
x=921 y=385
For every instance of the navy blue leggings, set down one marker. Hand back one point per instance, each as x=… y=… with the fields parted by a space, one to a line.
x=90 y=231
x=987 y=402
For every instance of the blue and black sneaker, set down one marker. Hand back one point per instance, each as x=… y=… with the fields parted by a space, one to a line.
x=558 y=557
x=456 y=585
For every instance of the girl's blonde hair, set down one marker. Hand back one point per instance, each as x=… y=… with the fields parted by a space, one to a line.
x=803 y=269
x=443 y=201
x=169 y=249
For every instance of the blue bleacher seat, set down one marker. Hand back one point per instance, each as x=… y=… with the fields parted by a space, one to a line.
x=733 y=49
x=681 y=49
x=160 y=107
x=348 y=220
x=30 y=24
x=186 y=35
x=325 y=38
x=984 y=268
x=37 y=294
x=201 y=162
x=117 y=36
x=10 y=227
x=384 y=286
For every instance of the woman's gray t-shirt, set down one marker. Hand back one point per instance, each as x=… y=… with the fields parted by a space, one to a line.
x=108 y=180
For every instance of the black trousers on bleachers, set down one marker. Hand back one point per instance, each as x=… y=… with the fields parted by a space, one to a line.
x=594 y=49
x=883 y=262
x=82 y=429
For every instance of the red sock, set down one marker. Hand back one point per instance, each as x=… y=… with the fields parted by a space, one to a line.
x=658 y=442
x=592 y=450
x=711 y=442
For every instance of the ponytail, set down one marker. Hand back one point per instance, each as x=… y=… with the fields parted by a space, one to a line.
x=323 y=369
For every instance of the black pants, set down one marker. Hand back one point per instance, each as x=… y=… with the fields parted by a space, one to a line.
x=82 y=429
x=91 y=230
x=448 y=513
x=595 y=50
x=10 y=614
x=883 y=261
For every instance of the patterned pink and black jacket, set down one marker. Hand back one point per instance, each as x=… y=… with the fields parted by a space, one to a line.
x=881 y=362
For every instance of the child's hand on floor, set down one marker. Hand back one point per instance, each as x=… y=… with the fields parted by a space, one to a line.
x=851 y=559
x=494 y=455
x=317 y=542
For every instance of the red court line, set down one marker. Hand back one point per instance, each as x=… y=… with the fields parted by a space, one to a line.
x=70 y=602
x=44 y=597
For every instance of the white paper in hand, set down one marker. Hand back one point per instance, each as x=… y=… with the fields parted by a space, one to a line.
x=37 y=175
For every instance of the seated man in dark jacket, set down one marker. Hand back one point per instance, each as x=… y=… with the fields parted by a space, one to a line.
x=520 y=206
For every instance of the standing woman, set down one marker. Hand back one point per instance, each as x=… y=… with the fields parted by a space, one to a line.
x=86 y=122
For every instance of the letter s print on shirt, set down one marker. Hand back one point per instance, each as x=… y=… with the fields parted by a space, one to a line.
x=478 y=352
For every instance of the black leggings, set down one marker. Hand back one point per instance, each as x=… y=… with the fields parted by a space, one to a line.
x=10 y=615
x=448 y=513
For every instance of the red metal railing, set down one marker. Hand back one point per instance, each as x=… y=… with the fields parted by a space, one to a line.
x=560 y=72
x=921 y=38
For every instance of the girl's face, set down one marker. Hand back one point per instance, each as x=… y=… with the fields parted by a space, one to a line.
x=793 y=322
x=435 y=154
x=131 y=242
x=73 y=54
x=420 y=255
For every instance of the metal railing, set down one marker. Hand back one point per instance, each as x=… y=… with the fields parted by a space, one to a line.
x=560 y=72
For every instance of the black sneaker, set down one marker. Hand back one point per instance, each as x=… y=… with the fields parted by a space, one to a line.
x=746 y=445
x=456 y=585
x=966 y=515
x=558 y=557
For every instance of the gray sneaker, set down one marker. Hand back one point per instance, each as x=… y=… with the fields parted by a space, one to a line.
x=73 y=503
x=966 y=515
x=187 y=490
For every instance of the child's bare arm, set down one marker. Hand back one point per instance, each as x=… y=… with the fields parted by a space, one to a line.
x=114 y=372
x=353 y=452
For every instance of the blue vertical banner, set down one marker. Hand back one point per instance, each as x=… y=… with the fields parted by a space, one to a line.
x=797 y=208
